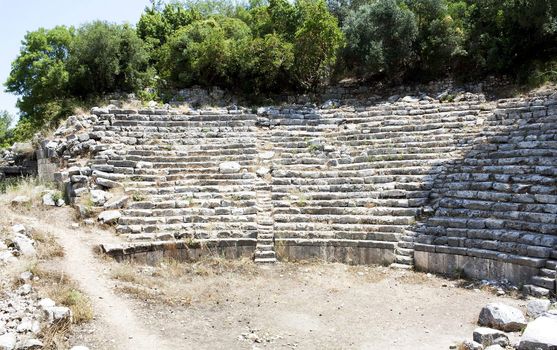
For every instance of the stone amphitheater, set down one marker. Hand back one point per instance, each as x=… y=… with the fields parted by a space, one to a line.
x=468 y=186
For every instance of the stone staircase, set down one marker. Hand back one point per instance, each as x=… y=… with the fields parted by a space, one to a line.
x=545 y=283
x=265 y=246
x=362 y=175
x=189 y=176
x=498 y=201
x=369 y=184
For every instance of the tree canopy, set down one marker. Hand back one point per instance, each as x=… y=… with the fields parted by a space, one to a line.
x=270 y=46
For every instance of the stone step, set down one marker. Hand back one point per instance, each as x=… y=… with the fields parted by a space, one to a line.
x=347 y=219
x=264 y=247
x=197 y=230
x=536 y=291
x=404 y=260
x=549 y=273
x=308 y=208
x=265 y=260
x=399 y=266
x=404 y=251
x=544 y=282
x=551 y=264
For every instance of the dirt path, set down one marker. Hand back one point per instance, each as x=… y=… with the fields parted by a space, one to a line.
x=116 y=321
x=286 y=306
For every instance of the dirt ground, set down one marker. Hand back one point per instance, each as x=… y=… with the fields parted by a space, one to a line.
x=216 y=304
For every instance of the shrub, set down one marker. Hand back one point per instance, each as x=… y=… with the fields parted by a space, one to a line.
x=5 y=129
x=440 y=40
x=205 y=52
x=40 y=77
x=380 y=37
x=105 y=58
x=267 y=63
x=316 y=44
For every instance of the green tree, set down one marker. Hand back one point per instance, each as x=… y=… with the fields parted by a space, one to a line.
x=380 y=39
x=267 y=64
x=285 y=17
x=205 y=52
x=503 y=36
x=316 y=43
x=5 y=129
x=158 y=22
x=440 y=40
x=40 y=77
x=105 y=58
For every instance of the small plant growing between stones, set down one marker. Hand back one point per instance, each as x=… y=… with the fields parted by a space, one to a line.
x=301 y=199
x=57 y=196
x=138 y=197
x=458 y=273
x=313 y=148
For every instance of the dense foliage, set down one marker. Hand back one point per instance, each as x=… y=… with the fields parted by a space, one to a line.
x=5 y=128
x=267 y=46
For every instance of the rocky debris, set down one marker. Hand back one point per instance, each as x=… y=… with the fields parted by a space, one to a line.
x=53 y=199
x=79 y=347
x=495 y=347
x=8 y=341
x=471 y=345
x=20 y=200
x=19 y=229
x=117 y=202
x=229 y=167
x=262 y=171
x=29 y=344
x=540 y=334
x=502 y=317
x=20 y=316
x=57 y=314
x=24 y=289
x=24 y=245
x=537 y=307
x=99 y=197
x=22 y=313
x=109 y=217
x=489 y=336
x=107 y=183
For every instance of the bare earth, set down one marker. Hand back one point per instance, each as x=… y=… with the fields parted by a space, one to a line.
x=285 y=306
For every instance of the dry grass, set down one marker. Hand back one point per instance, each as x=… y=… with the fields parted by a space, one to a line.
x=369 y=274
x=30 y=187
x=47 y=247
x=58 y=287
x=54 y=337
x=414 y=278
x=164 y=282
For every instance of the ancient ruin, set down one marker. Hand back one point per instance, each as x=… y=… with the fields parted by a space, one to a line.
x=463 y=185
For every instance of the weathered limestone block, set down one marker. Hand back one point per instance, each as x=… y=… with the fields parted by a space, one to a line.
x=502 y=317
x=540 y=334
x=488 y=336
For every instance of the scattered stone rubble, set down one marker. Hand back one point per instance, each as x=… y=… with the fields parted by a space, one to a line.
x=501 y=326
x=22 y=312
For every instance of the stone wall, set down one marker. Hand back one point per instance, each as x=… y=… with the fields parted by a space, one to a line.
x=359 y=184
x=495 y=208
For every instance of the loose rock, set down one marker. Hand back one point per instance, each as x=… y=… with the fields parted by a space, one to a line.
x=489 y=336
x=540 y=334
x=109 y=216
x=537 y=307
x=229 y=167
x=502 y=317
x=8 y=341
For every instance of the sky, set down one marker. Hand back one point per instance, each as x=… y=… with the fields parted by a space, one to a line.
x=20 y=16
